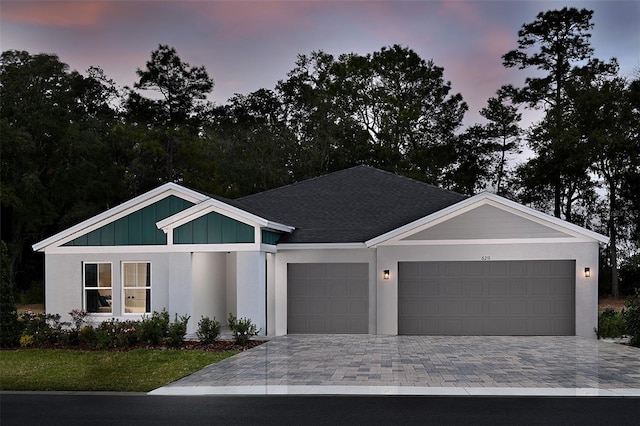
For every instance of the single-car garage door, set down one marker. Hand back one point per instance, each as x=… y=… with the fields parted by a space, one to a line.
x=487 y=298
x=327 y=297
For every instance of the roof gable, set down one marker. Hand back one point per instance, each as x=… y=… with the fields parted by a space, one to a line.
x=487 y=222
x=136 y=228
x=487 y=217
x=101 y=229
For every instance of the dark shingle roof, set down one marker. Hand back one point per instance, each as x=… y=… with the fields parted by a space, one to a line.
x=352 y=205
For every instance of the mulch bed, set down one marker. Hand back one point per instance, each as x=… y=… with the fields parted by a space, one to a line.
x=219 y=346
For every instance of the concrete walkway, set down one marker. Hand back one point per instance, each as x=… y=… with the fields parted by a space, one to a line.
x=421 y=365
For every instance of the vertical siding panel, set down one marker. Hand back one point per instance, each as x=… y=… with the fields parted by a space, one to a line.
x=122 y=232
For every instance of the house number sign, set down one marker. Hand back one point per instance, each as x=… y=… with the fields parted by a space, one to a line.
x=485 y=258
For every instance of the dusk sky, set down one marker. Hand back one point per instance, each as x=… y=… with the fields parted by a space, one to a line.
x=248 y=45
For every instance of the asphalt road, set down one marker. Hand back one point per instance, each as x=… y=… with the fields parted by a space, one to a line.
x=138 y=409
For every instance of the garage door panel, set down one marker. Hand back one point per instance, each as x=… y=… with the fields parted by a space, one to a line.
x=328 y=298
x=507 y=298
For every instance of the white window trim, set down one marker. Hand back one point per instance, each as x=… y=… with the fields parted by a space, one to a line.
x=123 y=288
x=85 y=288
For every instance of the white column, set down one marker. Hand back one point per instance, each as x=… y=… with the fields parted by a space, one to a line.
x=180 y=288
x=251 y=288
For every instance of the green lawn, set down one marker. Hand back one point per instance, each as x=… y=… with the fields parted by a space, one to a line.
x=139 y=370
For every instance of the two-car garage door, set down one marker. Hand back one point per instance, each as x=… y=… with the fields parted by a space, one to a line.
x=487 y=298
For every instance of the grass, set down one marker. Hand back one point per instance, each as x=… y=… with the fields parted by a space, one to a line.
x=139 y=370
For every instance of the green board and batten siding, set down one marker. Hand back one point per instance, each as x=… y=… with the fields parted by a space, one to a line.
x=214 y=228
x=270 y=237
x=137 y=228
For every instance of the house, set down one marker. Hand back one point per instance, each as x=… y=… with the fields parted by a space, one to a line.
x=356 y=251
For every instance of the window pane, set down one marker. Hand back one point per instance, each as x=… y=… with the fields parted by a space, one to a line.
x=98 y=301
x=137 y=274
x=137 y=301
x=90 y=275
x=104 y=275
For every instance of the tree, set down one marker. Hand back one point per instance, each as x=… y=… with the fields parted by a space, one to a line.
x=503 y=131
x=175 y=118
x=252 y=143
x=55 y=166
x=554 y=44
x=471 y=171
x=403 y=103
x=608 y=111
x=9 y=326
x=327 y=137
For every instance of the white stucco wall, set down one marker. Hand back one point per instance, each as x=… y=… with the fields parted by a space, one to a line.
x=209 y=287
x=63 y=281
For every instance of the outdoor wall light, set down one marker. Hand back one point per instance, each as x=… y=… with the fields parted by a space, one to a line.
x=385 y=274
x=587 y=272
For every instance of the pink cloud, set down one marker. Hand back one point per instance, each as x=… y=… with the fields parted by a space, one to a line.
x=55 y=13
x=247 y=19
x=464 y=10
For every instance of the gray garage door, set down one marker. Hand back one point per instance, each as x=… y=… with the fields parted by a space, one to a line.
x=487 y=298
x=328 y=297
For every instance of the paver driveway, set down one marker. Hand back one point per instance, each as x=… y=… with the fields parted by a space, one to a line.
x=422 y=365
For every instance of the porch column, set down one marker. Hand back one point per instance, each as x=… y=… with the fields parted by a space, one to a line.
x=251 y=288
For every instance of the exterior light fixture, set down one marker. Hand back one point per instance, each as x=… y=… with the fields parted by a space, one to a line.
x=385 y=274
x=587 y=272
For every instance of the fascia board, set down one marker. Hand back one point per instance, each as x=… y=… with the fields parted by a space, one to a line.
x=492 y=199
x=213 y=205
x=320 y=246
x=119 y=211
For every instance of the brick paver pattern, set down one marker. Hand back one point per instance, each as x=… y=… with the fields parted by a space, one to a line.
x=431 y=361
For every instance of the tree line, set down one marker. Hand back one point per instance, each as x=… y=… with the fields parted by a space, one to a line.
x=76 y=144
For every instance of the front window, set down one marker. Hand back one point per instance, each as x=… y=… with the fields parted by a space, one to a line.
x=136 y=286
x=97 y=287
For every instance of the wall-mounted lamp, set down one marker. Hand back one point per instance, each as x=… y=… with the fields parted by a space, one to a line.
x=587 y=272
x=385 y=274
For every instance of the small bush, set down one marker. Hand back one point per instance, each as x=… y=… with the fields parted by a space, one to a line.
x=127 y=334
x=45 y=328
x=154 y=329
x=243 y=329
x=208 y=330
x=632 y=318
x=26 y=341
x=78 y=318
x=87 y=336
x=611 y=324
x=177 y=330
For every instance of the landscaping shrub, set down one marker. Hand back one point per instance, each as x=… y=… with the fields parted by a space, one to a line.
x=632 y=318
x=154 y=329
x=42 y=330
x=611 y=324
x=243 y=329
x=45 y=329
x=177 y=330
x=87 y=336
x=208 y=330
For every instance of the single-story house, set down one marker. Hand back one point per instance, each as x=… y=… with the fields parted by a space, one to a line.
x=355 y=251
